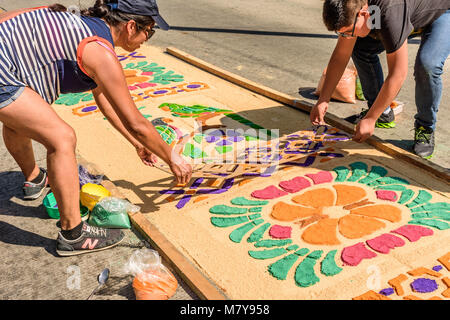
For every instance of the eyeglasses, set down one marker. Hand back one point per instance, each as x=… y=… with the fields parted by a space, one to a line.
x=148 y=31
x=346 y=35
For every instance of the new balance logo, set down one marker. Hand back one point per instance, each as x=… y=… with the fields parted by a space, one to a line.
x=89 y=243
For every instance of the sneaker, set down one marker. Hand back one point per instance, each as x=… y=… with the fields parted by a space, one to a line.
x=385 y=121
x=92 y=239
x=32 y=191
x=423 y=142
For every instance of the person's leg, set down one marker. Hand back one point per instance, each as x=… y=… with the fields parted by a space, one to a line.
x=32 y=117
x=21 y=149
x=367 y=62
x=434 y=50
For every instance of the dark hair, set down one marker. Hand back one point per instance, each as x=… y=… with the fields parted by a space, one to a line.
x=340 y=13
x=112 y=17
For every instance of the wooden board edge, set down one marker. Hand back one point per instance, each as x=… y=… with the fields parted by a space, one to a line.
x=195 y=279
x=386 y=147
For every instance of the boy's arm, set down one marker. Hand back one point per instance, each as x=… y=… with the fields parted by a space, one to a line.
x=335 y=69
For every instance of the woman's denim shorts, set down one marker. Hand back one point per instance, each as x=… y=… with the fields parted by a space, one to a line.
x=8 y=94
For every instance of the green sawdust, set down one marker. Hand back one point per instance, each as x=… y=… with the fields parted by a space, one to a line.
x=305 y=275
x=439 y=214
x=255 y=209
x=393 y=187
x=342 y=173
x=281 y=268
x=375 y=173
x=267 y=254
x=328 y=266
x=228 y=222
x=192 y=151
x=441 y=225
x=223 y=149
x=359 y=170
x=302 y=252
x=422 y=197
x=224 y=209
x=388 y=180
x=258 y=233
x=293 y=247
x=239 y=233
x=198 y=138
x=406 y=196
x=241 y=201
x=432 y=207
x=272 y=243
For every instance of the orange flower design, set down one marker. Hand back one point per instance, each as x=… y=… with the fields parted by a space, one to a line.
x=322 y=212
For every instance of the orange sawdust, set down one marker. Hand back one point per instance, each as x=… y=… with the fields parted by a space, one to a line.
x=446 y=293
x=371 y=295
x=420 y=271
x=396 y=283
x=382 y=211
x=201 y=198
x=445 y=261
x=348 y=194
x=316 y=198
x=286 y=212
x=323 y=232
x=354 y=227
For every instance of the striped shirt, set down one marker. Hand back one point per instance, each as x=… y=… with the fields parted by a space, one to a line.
x=35 y=42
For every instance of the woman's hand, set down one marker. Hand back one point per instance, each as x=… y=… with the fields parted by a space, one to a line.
x=364 y=129
x=318 y=112
x=148 y=158
x=180 y=168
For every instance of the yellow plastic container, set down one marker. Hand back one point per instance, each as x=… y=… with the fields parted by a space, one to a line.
x=91 y=194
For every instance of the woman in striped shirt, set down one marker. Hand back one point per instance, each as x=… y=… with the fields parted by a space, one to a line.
x=46 y=51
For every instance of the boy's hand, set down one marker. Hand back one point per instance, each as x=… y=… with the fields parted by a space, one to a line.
x=364 y=129
x=318 y=112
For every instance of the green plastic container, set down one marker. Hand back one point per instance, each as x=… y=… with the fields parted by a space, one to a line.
x=52 y=207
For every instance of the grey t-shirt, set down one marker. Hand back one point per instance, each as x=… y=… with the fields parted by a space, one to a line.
x=399 y=18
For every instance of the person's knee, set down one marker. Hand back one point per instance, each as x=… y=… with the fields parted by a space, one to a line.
x=428 y=65
x=65 y=142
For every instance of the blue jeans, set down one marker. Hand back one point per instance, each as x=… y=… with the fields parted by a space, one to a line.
x=8 y=94
x=433 y=51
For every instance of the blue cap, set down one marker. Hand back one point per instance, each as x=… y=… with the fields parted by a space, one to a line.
x=143 y=8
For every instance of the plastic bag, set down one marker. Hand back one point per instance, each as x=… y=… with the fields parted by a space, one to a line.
x=346 y=88
x=152 y=281
x=85 y=176
x=112 y=212
x=91 y=194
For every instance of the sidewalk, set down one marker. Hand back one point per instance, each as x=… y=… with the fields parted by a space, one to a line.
x=30 y=267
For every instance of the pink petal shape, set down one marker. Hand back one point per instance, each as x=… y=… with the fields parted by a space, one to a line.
x=132 y=88
x=387 y=195
x=280 y=232
x=321 y=177
x=353 y=255
x=385 y=242
x=146 y=85
x=413 y=232
x=271 y=192
x=147 y=73
x=295 y=185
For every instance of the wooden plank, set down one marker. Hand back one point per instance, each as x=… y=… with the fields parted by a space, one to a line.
x=376 y=142
x=195 y=279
